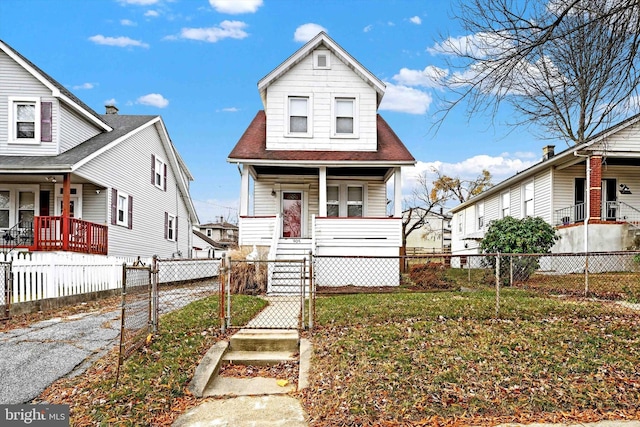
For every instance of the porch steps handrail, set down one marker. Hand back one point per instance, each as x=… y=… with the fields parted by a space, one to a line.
x=20 y=234
x=628 y=214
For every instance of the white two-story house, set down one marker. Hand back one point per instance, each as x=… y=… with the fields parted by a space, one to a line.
x=74 y=180
x=316 y=162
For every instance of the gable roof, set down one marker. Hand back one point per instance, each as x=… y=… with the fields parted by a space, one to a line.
x=57 y=90
x=322 y=39
x=571 y=154
x=252 y=147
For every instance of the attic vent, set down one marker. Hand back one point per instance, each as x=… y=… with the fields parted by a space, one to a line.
x=321 y=59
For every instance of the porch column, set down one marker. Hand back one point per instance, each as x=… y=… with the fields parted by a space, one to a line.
x=595 y=188
x=66 y=210
x=322 y=182
x=397 y=193
x=244 y=191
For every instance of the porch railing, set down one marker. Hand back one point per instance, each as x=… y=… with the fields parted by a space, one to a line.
x=570 y=215
x=51 y=233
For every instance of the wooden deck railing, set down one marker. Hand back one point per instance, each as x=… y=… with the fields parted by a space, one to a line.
x=53 y=233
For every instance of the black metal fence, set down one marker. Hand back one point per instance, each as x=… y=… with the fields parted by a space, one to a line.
x=5 y=293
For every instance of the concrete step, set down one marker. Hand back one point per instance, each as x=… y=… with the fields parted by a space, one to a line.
x=265 y=340
x=258 y=358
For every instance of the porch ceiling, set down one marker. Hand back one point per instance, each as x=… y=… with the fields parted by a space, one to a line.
x=314 y=171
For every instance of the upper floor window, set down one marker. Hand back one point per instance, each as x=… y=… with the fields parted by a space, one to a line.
x=480 y=214
x=345 y=117
x=321 y=60
x=299 y=115
x=460 y=220
x=528 y=199
x=29 y=120
x=158 y=173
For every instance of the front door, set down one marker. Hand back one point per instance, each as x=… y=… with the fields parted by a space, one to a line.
x=609 y=198
x=292 y=214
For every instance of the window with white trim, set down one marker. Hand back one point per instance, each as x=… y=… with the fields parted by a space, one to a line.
x=123 y=207
x=321 y=59
x=298 y=115
x=159 y=173
x=480 y=215
x=345 y=117
x=333 y=200
x=460 y=218
x=505 y=204
x=24 y=119
x=355 y=201
x=527 y=192
x=5 y=208
x=171 y=227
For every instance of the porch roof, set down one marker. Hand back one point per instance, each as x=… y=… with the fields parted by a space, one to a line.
x=252 y=148
x=64 y=162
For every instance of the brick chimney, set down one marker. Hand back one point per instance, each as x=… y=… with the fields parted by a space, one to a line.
x=111 y=109
x=548 y=151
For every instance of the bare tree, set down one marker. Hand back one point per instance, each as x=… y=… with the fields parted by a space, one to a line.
x=571 y=66
x=429 y=195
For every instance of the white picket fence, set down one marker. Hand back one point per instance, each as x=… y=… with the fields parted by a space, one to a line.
x=43 y=275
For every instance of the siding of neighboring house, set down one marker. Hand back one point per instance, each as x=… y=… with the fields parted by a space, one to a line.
x=146 y=238
x=16 y=80
x=74 y=129
x=320 y=86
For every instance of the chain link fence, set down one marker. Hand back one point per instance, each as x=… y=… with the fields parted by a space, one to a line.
x=284 y=287
x=610 y=275
x=136 y=310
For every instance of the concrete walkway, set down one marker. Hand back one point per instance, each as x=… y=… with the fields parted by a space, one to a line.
x=282 y=312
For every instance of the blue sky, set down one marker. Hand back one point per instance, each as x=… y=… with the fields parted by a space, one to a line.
x=197 y=64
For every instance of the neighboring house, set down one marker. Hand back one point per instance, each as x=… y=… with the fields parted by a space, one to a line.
x=206 y=247
x=434 y=236
x=596 y=183
x=224 y=233
x=74 y=180
x=320 y=158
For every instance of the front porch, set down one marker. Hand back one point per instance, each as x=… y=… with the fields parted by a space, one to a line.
x=56 y=233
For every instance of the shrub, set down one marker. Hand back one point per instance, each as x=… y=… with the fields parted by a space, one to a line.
x=249 y=278
x=430 y=276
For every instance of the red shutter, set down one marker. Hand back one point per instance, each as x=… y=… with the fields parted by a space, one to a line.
x=46 y=130
x=130 y=213
x=114 y=206
x=166 y=225
x=153 y=169
x=165 y=177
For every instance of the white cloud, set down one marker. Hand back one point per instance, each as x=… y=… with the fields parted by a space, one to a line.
x=415 y=20
x=111 y=101
x=479 y=45
x=152 y=13
x=139 y=2
x=127 y=23
x=404 y=99
x=117 y=41
x=154 y=100
x=368 y=28
x=83 y=86
x=235 y=7
x=226 y=29
x=230 y=110
x=429 y=77
x=306 y=32
x=501 y=167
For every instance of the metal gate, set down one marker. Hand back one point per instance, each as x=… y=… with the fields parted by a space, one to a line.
x=284 y=289
x=5 y=295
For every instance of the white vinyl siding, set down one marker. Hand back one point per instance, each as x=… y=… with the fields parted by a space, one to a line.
x=543 y=195
x=148 y=206
x=73 y=128
x=325 y=85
